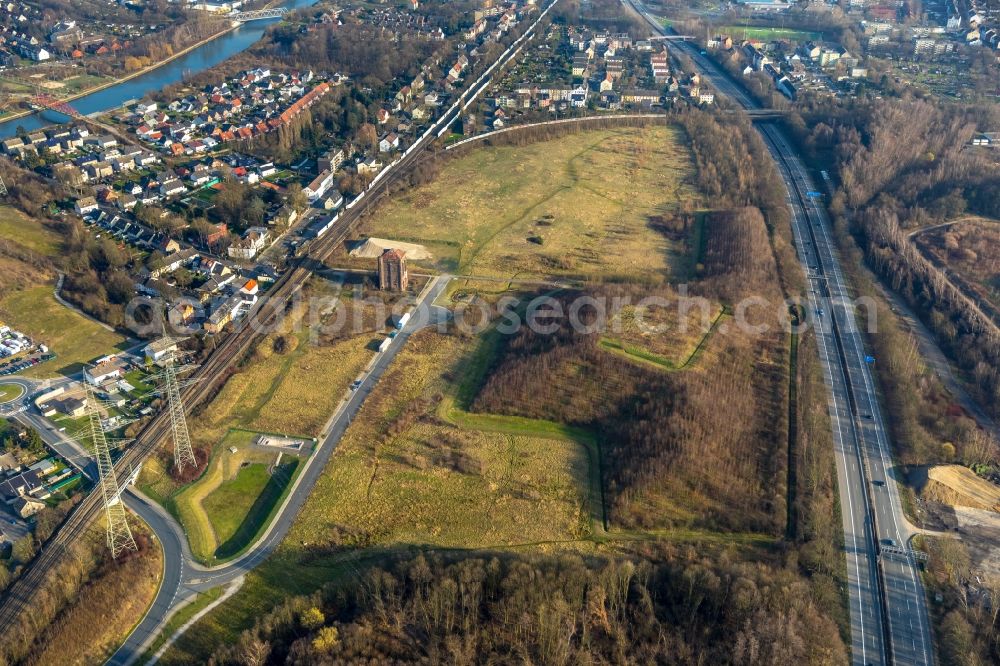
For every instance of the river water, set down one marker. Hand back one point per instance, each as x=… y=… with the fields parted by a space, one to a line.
x=204 y=57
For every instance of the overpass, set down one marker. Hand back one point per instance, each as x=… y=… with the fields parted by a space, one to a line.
x=765 y=114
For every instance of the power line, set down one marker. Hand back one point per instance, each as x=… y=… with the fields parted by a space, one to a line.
x=120 y=536
x=183 y=452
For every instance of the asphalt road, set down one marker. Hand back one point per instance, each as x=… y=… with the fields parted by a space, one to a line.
x=19 y=595
x=888 y=609
x=871 y=478
x=183 y=578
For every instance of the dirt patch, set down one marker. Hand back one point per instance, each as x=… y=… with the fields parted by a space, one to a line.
x=52 y=85
x=980 y=532
x=958 y=486
x=373 y=247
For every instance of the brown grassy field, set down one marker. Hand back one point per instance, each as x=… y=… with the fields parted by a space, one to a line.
x=17 y=227
x=971 y=248
x=577 y=205
x=401 y=476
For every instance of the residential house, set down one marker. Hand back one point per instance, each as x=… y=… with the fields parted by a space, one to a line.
x=389 y=143
x=85 y=205
x=172 y=187
x=319 y=186
x=250 y=244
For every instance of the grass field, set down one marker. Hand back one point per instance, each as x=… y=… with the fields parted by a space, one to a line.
x=552 y=208
x=292 y=393
x=16 y=226
x=9 y=392
x=225 y=509
x=400 y=478
x=240 y=509
x=74 y=338
x=739 y=32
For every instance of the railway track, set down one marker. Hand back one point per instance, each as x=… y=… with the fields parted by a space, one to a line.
x=240 y=341
x=232 y=349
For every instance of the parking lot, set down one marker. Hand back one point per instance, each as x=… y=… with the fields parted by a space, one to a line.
x=11 y=367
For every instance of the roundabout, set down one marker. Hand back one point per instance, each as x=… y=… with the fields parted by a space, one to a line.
x=10 y=392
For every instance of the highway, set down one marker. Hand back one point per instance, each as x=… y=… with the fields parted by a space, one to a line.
x=240 y=341
x=888 y=608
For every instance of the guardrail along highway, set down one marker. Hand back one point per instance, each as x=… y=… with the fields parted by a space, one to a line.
x=888 y=608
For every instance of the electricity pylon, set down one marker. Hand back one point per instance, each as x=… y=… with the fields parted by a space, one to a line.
x=3 y=188
x=120 y=536
x=183 y=452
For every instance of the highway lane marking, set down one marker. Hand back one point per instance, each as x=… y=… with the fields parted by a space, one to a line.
x=881 y=445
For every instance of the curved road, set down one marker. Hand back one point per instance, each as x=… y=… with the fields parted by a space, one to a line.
x=183 y=577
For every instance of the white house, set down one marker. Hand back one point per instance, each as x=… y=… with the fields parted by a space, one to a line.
x=85 y=205
x=389 y=143
x=161 y=349
x=320 y=185
x=102 y=372
x=253 y=241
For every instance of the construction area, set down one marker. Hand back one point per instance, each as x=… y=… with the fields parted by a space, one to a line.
x=956 y=500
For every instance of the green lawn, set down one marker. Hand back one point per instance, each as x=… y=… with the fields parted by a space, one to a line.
x=137 y=378
x=9 y=392
x=739 y=32
x=227 y=507
x=240 y=508
x=73 y=337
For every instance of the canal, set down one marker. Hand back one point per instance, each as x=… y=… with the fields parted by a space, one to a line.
x=204 y=57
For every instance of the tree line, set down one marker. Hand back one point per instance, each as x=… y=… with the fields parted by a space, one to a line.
x=903 y=164
x=487 y=608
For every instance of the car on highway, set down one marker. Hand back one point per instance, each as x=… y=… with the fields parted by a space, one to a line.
x=878 y=482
